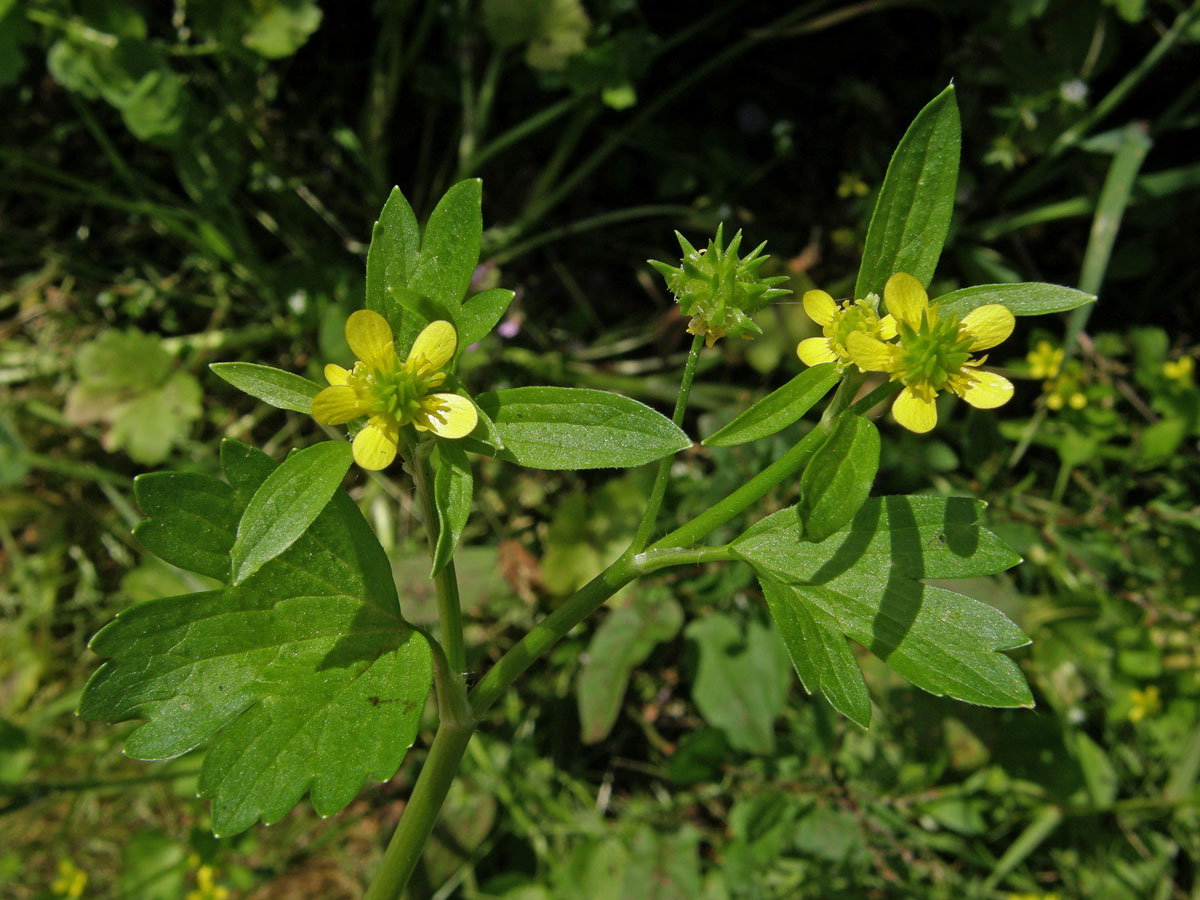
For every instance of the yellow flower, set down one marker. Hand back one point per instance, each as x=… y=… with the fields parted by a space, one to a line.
x=1144 y=703
x=70 y=881
x=851 y=184
x=837 y=321
x=934 y=354
x=1045 y=360
x=206 y=888
x=1179 y=370
x=391 y=393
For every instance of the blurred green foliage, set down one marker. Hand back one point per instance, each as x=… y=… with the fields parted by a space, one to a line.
x=186 y=183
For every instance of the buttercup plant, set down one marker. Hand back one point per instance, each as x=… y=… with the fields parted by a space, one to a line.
x=300 y=673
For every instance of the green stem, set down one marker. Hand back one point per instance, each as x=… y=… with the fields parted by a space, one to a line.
x=547 y=633
x=664 y=465
x=445 y=581
x=421 y=812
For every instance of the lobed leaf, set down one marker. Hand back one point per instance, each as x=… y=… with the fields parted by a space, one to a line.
x=1025 y=299
x=862 y=582
x=912 y=215
x=287 y=503
x=578 y=428
x=283 y=390
x=191 y=521
x=778 y=409
x=820 y=654
x=304 y=676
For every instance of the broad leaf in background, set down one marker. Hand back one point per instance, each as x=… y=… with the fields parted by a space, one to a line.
x=125 y=380
x=838 y=477
x=1024 y=299
x=304 y=677
x=452 y=490
x=863 y=582
x=579 y=428
x=778 y=409
x=912 y=214
x=622 y=642
x=283 y=390
x=742 y=680
x=281 y=27
x=287 y=503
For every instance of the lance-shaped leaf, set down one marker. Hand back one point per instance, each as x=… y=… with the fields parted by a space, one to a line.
x=287 y=503
x=819 y=653
x=778 y=409
x=392 y=256
x=863 y=581
x=283 y=390
x=479 y=314
x=578 y=428
x=303 y=677
x=838 y=478
x=450 y=245
x=912 y=214
x=452 y=489
x=1024 y=299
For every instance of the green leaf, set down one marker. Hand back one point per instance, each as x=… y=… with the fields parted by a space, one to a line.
x=479 y=314
x=283 y=390
x=392 y=256
x=741 y=681
x=191 y=522
x=303 y=677
x=452 y=488
x=862 y=581
x=621 y=643
x=820 y=655
x=281 y=27
x=838 y=477
x=578 y=428
x=1025 y=299
x=450 y=246
x=778 y=409
x=912 y=214
x=287 y=503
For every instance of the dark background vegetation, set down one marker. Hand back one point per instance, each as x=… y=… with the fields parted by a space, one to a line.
x=207 y=174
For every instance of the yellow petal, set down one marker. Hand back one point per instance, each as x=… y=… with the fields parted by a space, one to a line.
x=887 y=328
x=905 y=298
x=815 y=351
x=338 y=404
x=870 y=354
x=336 y=374
x=987 y=390
x=819 y=306
x=434 y=345
x=915 y=411
x=988 y=325
x=449 y=415
x=375 y=445
x=370 y=337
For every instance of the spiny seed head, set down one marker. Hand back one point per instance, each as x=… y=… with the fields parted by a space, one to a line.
x=717 y=289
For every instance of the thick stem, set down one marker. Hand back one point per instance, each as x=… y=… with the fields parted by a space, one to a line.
x=664 y=465
x=421 y=812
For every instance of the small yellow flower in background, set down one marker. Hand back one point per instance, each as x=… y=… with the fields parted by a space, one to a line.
x=1045 y=360
x=1179 y=370
x=71 y=880
x=206 y=886
x=391 y=393
x=934 y=354
x=837 y=321
x=851 y=184
x=1144 y=703
x=1064 y=391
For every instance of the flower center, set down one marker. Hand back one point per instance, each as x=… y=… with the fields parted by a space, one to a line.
x=933 y=352
x=399 y=391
